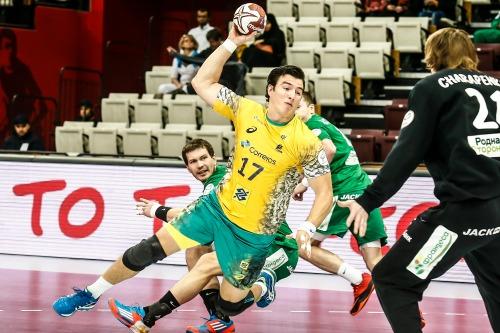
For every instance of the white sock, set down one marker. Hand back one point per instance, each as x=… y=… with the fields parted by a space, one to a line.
x=350 y=273
x=99 y=287
x=263 y=287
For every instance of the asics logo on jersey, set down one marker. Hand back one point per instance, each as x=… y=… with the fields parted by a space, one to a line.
x=241 y=194
x=251 y=129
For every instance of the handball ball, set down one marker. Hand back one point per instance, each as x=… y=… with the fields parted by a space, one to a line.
x=249 y=17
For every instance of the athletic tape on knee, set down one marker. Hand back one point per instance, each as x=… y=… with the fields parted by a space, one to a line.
x=375 y=243
x=232 y=309
x=141 y=255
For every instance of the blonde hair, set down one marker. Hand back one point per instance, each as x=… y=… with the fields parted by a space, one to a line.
x=450 y=48
x=189 y=37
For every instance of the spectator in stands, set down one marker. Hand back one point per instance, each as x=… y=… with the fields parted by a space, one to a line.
x=491 y=35
x=15 y=78
x=268 y=49
x=200 y=32
x=22 y=138
x=86 y=111
x=375 y=8
x=182 y=72
x=437 y=9
x=397 y=8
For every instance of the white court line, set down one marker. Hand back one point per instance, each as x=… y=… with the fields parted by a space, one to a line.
x=338 y=311
x=300 y=311
x=261 y=311
x=376 y=312
x=104 y=310
x=454 y=314
x=31 y=310
x=186 y=310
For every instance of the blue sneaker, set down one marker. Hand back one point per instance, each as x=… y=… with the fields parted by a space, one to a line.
x=269 y=279
x=130 y=316
x=213 y=325
x=80 y=300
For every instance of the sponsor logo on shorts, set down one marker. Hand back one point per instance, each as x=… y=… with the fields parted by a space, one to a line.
x=433 y=251
x=481 y=232
x=344 y=197
x=276 y=260
x=406 y=236
x=251 y=129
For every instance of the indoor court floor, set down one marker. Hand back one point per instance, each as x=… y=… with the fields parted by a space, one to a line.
x=311 y=303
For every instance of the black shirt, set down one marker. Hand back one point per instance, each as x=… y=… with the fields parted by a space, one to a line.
x=453 y=126
x=15 y=142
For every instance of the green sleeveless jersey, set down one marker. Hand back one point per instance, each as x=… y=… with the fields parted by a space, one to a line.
x=347 y=175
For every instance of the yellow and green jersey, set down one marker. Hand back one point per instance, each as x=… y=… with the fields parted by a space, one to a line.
x=266 y=164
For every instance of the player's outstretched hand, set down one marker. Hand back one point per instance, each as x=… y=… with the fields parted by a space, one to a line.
x=239 y=39
x=143 y=207
x=357 y=215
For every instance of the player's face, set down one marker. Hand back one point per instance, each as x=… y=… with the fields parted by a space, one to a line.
x=285 y=96
x=303 y=110
x=200 y=164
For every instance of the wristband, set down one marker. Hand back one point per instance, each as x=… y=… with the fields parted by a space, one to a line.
x=305 y=182
x=160 y=211
x=308 y=227
x=229 y=45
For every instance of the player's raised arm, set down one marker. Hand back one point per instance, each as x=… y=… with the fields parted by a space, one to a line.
x=205 y=83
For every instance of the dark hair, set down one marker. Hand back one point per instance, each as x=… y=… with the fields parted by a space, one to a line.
x=196 y=144
x=214 y=34
x=203 y=9
x=86 y=104
x=274 y=23
x=10 y=35
x=278 y=72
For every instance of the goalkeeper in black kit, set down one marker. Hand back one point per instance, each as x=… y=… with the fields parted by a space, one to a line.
x=453 y=125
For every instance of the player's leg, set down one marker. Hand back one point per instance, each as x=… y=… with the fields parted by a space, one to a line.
x=141 y=319
x=210 y=292
x=361 y=283
x=281 y=261
x=166 y=241
x=433 y=243
x=375 y=237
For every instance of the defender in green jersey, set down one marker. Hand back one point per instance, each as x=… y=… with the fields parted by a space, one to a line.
x=348 y=182
x=282 y=257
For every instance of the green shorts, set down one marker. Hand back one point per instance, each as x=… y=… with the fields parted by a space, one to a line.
x=335 y=223
x=241 y=254
x=282 y=257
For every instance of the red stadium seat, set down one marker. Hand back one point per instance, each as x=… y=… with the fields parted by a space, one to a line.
x=364 y=146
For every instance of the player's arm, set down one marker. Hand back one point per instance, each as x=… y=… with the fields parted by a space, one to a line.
x=317 y=171
x=205 y=83
x=329 y=149
x=410 y=149
x=153 y=209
